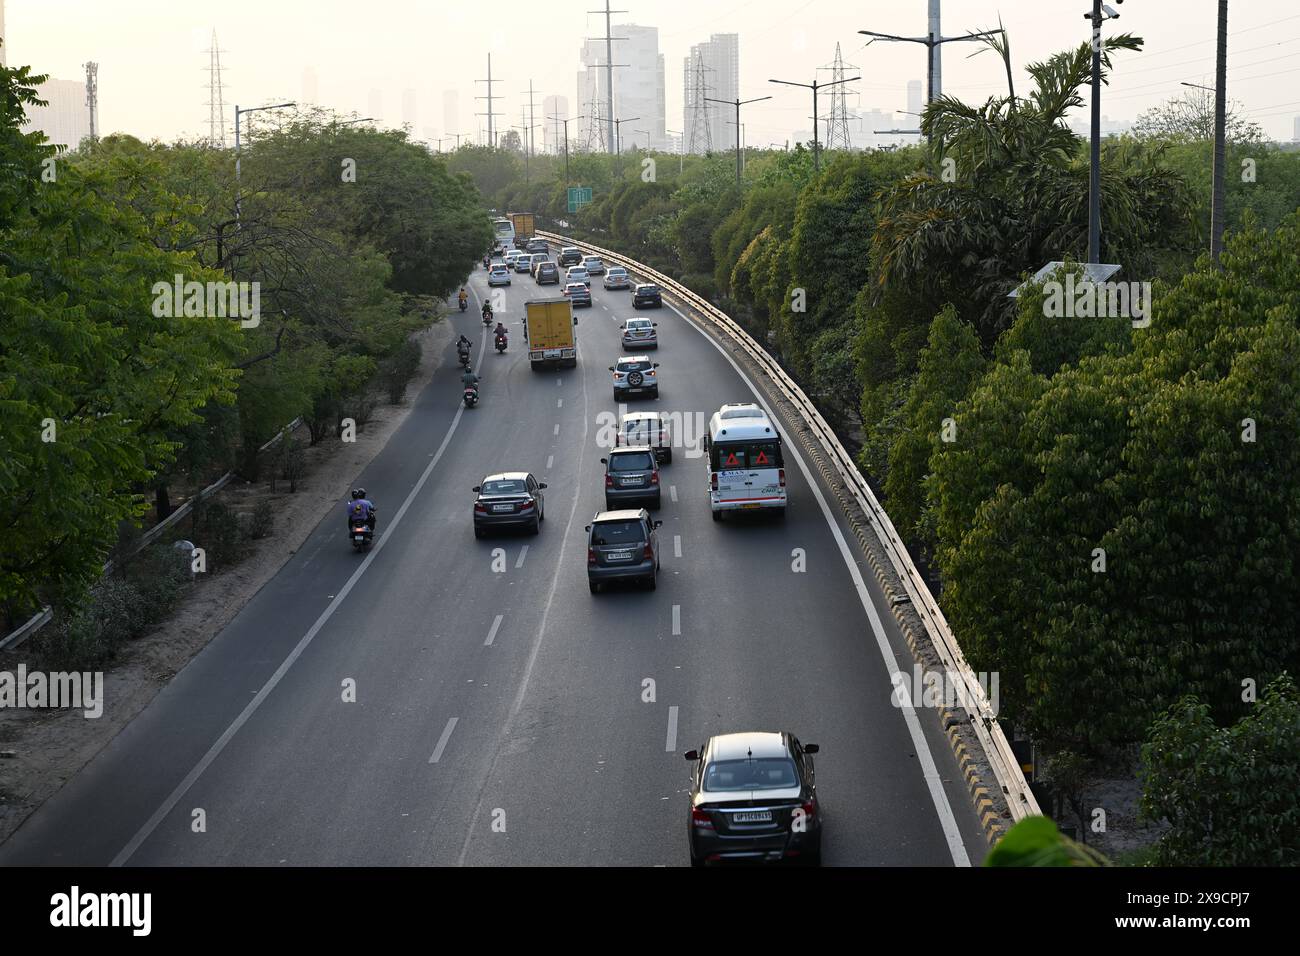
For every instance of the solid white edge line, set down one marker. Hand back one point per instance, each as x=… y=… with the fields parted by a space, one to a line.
x=215 y=750
x=951 y=830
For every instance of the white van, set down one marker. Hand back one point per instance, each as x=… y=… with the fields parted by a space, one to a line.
x=745 y=460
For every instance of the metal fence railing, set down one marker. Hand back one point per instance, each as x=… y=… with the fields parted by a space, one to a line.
x=997 y=749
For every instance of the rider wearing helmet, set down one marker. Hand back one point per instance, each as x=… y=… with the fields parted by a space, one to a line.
x=500 y=329
x=464 y=296
x=468 y=378
x=361 y=508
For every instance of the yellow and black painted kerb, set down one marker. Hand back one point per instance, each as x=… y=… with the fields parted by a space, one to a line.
x=986 y=795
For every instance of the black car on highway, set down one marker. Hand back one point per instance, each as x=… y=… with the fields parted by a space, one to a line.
x=511 y=499
x=570 y=256
x=622 y=546
x=646 y=294
x=632 y=476
x=754 y=799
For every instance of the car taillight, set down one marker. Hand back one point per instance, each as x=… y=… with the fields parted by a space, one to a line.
x=609 y=481
x=526 y=505
x=591 y=555
x=480 y=508
x=700 y=819
x=782 y=474
x=648 y=553
x=809 y=810
x=654 y=477
x=714 y=479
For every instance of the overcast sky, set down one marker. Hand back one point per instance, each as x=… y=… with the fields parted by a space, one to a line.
x=153 y=68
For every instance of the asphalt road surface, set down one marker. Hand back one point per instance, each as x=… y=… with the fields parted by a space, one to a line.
x=503 y=714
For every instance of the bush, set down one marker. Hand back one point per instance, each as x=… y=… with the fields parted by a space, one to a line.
x=361 y=409
x=91 y=633
x=396 y=371
x=263 y=520
x=216 y=529
x=160 y=575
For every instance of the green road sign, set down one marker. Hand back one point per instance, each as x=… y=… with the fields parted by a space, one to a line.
x=578 y=196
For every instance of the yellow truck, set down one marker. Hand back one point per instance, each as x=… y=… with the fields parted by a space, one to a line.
x=552 y=333
x=524 y=227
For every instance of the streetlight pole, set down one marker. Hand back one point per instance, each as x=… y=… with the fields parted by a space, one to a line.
x=681 y=144
x=1220 y=133
x=738 y=102
x=814 y=86
x=566 y=146
x=1097 y=16
x=238 y=150
x=618 y=137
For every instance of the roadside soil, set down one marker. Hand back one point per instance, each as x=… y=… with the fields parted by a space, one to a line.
x=40 y=750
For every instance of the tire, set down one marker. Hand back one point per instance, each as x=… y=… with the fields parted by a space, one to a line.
x=717 y=515
x=653 y=582
x=537 y=366
x=541 y=512
x=595 y=588
x=537 y=526
x=618 y=396
x=780 y=513
x=668 y=456
x=695 y=861
x=655 y=393
x=478 y=532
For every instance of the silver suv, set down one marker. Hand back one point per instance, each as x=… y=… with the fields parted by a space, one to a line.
x=635 y=376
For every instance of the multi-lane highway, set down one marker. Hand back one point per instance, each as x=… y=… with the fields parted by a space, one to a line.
x=502 y=713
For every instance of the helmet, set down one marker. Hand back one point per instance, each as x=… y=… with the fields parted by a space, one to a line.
x=358 y=492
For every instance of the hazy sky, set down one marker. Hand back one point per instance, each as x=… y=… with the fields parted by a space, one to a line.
x=153 y=69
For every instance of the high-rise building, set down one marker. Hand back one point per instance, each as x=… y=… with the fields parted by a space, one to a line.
x=1295 y=130
x=310 y=86
x=450 y=113
x=553 y=130
x=639 y=86
x=409 y=110
x=4 y=37
x=720 y=56
x=65 y=121
x=914 y=102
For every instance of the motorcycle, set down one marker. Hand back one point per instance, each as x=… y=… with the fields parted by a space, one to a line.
x=464 y=304
x=501 y=342
x=362 y=534
x=487 y=320
x=463 y=357
x=471 y=396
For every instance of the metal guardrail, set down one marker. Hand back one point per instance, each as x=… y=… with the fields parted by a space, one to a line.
x=1006 y=767
x=14 y=638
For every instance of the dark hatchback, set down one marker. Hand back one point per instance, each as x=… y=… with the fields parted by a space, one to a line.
x=754 y=799
x=632 y=476
x=622 y=546
x=511 y=499
x=547 y=273
x=646 y=294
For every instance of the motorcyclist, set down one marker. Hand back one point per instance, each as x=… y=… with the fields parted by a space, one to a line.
x=463 y=297
x=463 y=345
x=487 y=308
x=469 y=379
x=361 y=508
x=500 y=330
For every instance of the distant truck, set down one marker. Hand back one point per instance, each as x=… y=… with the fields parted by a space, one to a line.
x=523 y=223
x=552 y=334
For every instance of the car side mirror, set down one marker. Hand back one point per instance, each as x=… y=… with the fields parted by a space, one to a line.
x=611 y=368
x=656 y=364
x=541 y=484
x=587 y=529
x=604 y=461
x=654 y=324
x=692 y=755
x=811 y=748
x=658 y=524
x=477 y=488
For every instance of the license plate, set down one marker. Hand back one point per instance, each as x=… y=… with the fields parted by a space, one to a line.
x=753 y=816
x=751 y=505
x=619 y=556
x=359 y=537
x=630 y=482
x=503 y=507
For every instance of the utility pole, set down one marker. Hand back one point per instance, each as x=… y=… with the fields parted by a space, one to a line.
x=681 y=145
x=618 y=127
x=814 y=86
x=1097 y=16
x=1220 y=133
x=738 y=102
x=492 y=130
x=531 y=124
x=933 y=40
x=527 y=134
x=609 y=65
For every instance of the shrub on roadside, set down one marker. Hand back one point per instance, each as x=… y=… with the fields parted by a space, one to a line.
x=396 y=371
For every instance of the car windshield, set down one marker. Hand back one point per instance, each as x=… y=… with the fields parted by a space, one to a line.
x=616 y=271
x=727 y=456
x=638 y=325
x=756 y=773
x=505 y=486
x=636 y=461
x=576 y=287
x=640 y=426
x=647 y=288
x=617 y=532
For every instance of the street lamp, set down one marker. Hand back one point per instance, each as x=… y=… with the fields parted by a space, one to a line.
x=618 y=137
x=681 y=145
x=814 y=86
x=566 y=123
x=1100 y=13
x=739 y=103
x=239 y=113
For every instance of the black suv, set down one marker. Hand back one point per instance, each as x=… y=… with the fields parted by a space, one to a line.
x=632 y=475
x=570 y=256
x=646 y=294
x=622 y=546
x=537 y=245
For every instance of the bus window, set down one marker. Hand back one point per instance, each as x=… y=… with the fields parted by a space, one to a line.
x=745 y=455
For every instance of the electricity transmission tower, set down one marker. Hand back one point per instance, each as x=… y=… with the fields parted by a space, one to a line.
x=490 y=114
x=609 y=65
x=216 y=97
x=837 y=123
x=699 y=137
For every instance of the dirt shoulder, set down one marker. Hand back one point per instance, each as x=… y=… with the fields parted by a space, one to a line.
x=44 y=749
